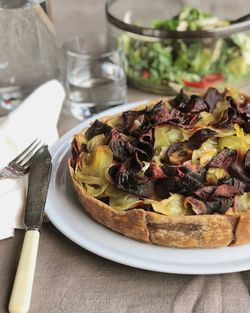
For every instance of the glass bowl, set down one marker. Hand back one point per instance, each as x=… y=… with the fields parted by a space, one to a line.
x=163 y=61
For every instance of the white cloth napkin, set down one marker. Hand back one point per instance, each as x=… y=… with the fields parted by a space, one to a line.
x=36 y=117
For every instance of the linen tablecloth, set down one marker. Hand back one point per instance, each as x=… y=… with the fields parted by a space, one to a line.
x=70 y=279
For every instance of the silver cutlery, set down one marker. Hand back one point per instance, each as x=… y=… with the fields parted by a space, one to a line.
x=21 y=164
x=39 y=177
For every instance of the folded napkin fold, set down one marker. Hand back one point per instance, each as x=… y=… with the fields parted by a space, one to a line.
x=36 y=117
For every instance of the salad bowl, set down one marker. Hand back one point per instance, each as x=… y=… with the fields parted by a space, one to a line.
x=168 y=46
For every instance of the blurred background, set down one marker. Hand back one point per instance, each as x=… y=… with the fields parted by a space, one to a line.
x=76 y=17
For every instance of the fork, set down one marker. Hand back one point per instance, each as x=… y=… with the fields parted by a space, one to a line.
x=21 y=164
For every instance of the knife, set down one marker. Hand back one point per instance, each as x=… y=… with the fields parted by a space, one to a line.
x=39 y=177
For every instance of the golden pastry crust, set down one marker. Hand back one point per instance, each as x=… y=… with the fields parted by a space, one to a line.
x=185 y=231
x=242 y=231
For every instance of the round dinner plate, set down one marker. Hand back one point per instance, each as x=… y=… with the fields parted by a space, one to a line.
x=69 y=217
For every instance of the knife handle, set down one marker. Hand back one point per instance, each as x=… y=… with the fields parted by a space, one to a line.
x=22 y=289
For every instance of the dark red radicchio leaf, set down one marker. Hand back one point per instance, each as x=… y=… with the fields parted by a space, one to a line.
x=175 y=117
x=97 y=128
x=118 y=145
x=195 y=104
x=242 y=104
x=172 y=170
x=197 y=206
x=156 y=109
x=212 y=97
x=152 y=116
x=238 y=184
x=164 y=186
x=128 y=181
x=227 y=191
x=193 y=167
x=128 y=118
x=246 y=126
x=165 y=116
x=144 y=149
x=199 y=137
x=194 y=180
x=148 y=137
x=223 y=159
x=124 y=147
x=75 y=151
x=186 y=183
x=247 y=163
x=205 y=192
x=223 y=190
x=136 y=123
x=217 y=204
x=237 y=170
x=133 y=164
x=180 y=100
x=154 y=171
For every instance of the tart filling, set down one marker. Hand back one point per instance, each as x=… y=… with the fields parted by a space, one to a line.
x=186 y=156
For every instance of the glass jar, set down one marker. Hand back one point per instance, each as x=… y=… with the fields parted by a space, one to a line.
x=28 y=52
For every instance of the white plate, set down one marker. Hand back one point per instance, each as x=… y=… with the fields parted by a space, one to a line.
x=69 y=217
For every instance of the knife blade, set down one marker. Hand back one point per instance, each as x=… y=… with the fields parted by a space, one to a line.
x=39 y=178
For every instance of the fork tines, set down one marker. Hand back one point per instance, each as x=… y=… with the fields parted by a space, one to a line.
x=24 y=159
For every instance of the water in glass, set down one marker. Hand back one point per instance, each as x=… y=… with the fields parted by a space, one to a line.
x=91 y=91
x=96 y=77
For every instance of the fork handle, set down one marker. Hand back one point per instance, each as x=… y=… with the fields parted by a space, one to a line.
x=22 y=289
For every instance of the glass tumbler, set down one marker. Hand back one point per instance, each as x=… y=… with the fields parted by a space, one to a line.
x=95 y=75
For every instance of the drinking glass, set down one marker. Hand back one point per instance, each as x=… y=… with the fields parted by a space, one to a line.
x=95 y=75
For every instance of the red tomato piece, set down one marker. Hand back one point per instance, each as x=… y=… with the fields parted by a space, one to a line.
x=145 y=74
x=213 y=77
x=200 y=84
x=206 y=81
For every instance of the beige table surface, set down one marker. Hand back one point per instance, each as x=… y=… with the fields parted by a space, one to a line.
x=73 y=280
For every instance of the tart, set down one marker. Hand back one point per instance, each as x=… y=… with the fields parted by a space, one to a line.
x=175 y=172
